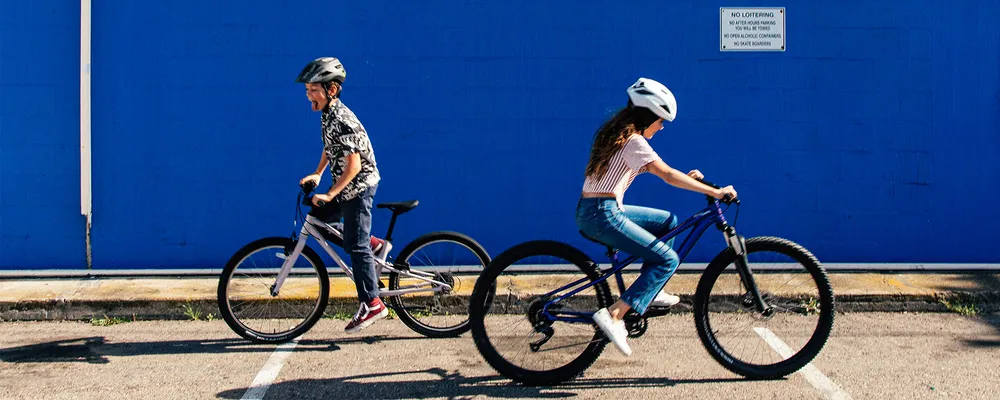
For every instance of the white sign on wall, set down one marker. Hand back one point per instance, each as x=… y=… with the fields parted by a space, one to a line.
x=752 y=29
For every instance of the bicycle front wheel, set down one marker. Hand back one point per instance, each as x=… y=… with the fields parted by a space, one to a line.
x=447 y=257
x=783 y=338
x=244 y=292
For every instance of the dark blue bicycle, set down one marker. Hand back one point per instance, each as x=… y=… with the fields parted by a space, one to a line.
x=763 y=306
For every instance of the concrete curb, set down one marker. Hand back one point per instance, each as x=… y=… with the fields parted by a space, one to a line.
x=130 y=310
x=145 y=298
x=85 y=310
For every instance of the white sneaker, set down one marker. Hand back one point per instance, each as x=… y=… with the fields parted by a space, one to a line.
x=664 y=299
x=613 y=330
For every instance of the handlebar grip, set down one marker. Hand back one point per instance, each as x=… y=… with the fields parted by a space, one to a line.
x=308 y=201
x=714 y=186
x=728 y=199
x=308 y=187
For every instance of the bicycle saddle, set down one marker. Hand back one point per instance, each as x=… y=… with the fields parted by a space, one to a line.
x=399 y=206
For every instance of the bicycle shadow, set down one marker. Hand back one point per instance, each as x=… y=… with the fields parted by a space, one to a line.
x=97 y=350
x=991 y=320
x=984 y=297
x=450 y=385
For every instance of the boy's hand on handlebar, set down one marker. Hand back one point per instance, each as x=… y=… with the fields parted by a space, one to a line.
x=696 y=174
x=725 y=192
x=321 y=197
x=314 y=178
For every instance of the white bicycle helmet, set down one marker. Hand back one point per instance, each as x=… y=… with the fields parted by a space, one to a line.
x=653 y=95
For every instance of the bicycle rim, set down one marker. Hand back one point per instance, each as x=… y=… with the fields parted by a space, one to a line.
x=506 y=325
x=447 y=257
x=245 y=292
x=770 y=344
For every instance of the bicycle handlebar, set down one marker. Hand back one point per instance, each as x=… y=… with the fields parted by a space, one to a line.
x=728 y=199
x=307 y=188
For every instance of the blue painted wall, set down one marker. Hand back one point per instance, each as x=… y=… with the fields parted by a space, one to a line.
x=40 y=221
x=873 y=138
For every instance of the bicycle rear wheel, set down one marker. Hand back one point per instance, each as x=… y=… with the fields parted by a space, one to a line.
x=244 y=292
x=507 y=315
x=448 y=257
x=777 y=342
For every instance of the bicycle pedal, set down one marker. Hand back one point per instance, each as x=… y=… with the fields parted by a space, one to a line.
x=631 y=316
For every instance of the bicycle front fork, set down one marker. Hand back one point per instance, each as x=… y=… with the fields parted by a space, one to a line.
x=739 y=245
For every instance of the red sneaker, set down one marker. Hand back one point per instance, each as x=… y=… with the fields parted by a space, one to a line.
x=367 y=314
x=380 y=248
x=376 y=244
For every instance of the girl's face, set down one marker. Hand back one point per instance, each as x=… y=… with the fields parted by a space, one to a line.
x=653 y=128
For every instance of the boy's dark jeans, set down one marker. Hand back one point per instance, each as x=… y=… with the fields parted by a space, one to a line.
x=357 y=215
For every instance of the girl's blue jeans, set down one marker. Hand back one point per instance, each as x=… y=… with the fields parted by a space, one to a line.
x=634 y=230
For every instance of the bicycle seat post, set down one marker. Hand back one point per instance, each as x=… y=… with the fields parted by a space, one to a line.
x=613 y=257
x=392 y=224
x=397 y=208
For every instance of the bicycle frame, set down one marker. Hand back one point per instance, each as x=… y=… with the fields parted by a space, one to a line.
x=698 y=223
x=312 y=226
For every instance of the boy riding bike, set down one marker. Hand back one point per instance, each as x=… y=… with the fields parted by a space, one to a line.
x=348 y=152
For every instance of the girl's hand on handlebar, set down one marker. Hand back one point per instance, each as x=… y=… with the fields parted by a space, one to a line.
x=696 y=174
x=725 y=192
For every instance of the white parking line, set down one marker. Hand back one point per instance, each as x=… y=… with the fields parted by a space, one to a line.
x=270 y=371
x=810 y=372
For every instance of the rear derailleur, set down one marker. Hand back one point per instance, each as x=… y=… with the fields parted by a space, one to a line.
x=540 y=323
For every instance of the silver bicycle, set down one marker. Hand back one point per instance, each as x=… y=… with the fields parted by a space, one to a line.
x=274 y=289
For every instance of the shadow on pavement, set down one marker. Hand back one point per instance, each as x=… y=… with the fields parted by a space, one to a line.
x=96 y=349
x=451 y=385
x=989 y=314
x=994 y=321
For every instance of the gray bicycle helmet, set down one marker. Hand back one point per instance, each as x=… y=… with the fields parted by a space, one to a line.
x=323 y=70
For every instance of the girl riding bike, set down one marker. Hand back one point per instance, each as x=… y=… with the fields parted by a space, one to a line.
x=619 y=153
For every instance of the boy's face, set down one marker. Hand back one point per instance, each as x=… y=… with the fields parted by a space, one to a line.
x=316 y=96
